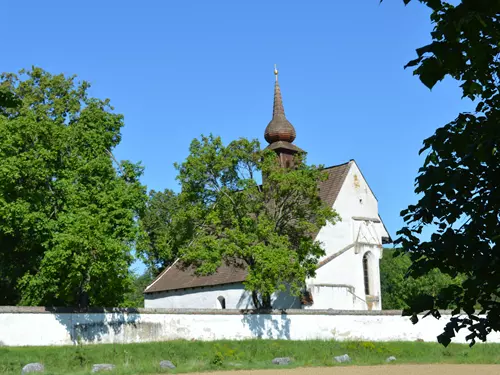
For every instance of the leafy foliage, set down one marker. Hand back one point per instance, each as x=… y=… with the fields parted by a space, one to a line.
x=227 y=216
x=399 y=291
x=7 y=98
x=459 y=180
x=135 y=297
x=163 y=230
x=67 y=213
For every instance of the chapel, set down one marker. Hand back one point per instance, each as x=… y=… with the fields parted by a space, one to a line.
x=347 y=276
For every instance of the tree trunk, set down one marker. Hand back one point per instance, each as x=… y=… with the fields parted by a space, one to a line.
x=266 y=301
x=261 y=301
x=83 y=296
x=255 y=299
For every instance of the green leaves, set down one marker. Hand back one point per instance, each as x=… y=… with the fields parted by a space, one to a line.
x=163 y=229
x=7 y=97
x=135 y=297
x=460 y=174
x=224 y=213
x=400 y=291
x=67 y=207
x=430 y=72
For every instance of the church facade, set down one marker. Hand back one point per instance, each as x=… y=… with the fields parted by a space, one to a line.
x=347 y=277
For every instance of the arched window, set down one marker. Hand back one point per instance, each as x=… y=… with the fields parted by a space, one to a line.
x=222 y=302
x=366 y=273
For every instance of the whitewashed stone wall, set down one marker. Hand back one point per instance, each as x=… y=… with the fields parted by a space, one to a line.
x=22 y=326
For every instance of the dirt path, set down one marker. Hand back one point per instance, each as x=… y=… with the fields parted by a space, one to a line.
x=375 y=370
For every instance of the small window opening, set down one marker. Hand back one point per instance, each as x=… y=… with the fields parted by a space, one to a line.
x=366 y=274
x=222 y=302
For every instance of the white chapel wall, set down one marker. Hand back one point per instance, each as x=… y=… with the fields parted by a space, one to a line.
x=355 y=199
x=234 y=296
x=345 y=274
x=342 y=297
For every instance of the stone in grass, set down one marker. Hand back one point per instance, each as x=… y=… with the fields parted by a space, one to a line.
x=390 y=359
x=167 y=364
x=103 y=367
x=282 y=361
x=32 y=367
x=342 y=358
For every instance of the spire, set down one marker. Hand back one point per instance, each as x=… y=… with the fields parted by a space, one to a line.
x=279 y=128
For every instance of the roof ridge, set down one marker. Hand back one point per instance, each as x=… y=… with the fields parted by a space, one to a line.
x=183 y=276
x=338 y=165
x=161 y=275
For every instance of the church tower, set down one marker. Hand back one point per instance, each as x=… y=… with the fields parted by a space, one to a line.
x=280 y=133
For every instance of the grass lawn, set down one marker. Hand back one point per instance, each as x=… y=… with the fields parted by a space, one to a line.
x=193 y=356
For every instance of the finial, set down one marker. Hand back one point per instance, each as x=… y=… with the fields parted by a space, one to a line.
x=279 y=128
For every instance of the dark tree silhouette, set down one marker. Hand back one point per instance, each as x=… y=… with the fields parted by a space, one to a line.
x=459 y=181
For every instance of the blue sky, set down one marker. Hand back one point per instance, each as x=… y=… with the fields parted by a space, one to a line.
x=178 y=69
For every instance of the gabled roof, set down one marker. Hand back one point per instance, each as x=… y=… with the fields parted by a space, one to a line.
x=330 y=188
x=178 y=276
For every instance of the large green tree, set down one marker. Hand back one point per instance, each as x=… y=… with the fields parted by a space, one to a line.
x=458 y=183
x=67 y=208
x=398 y=290
x=225 y=214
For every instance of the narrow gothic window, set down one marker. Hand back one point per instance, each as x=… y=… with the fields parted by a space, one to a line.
x=222 y=302
x=366 y=274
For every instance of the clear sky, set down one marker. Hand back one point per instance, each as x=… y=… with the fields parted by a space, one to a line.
x=179 y=69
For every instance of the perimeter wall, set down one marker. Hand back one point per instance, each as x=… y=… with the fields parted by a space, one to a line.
x=28 y=326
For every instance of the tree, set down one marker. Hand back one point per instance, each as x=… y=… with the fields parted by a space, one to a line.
x=7 y=98
x=459 y=180
x=135 y=297
x=67 y=208
x=226 y=215
x=398 y=290
x=162 y=231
